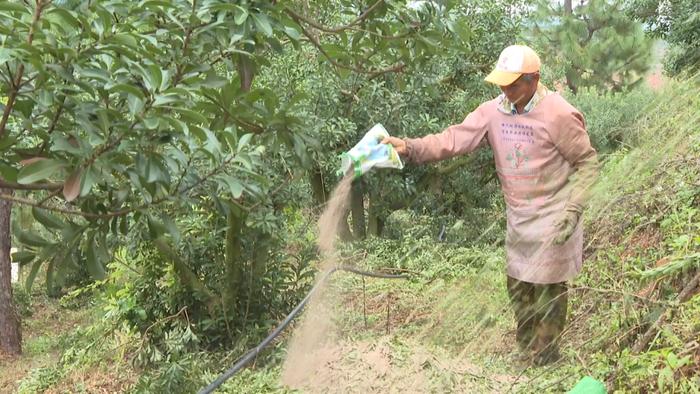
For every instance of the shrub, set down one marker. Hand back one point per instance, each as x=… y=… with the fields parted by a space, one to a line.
x=610 y=115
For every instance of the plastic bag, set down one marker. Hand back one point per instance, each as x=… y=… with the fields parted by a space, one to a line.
x=370 y=153
x=588 y=385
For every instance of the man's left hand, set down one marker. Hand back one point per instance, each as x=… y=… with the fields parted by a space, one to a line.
x=565 y=227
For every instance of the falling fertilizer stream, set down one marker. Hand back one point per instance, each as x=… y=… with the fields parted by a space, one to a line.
x=363 y=157
x=329 y=224
x=367 y=154
x=252 y=353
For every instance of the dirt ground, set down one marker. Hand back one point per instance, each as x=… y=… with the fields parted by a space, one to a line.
x=44 y=325
x=382 y=366
x=45 y=333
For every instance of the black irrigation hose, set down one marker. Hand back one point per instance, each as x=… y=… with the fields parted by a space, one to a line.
x=252 y=353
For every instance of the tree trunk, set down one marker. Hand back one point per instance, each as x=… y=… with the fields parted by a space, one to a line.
x=344 y=232
x=261 y=255
x=375 y=221
x=568 y=9
x=357 y=208
x=187 y=277
x=318 y=187
x=10 y=331
x=246 y=71
x=234 y=265
x=570 y=83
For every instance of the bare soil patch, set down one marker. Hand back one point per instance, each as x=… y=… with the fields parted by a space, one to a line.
x=380 y=366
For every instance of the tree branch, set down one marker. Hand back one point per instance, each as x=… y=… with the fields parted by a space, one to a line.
x=185 y=46
x=685 y=294
x=74 y=212
x=54 y=122
x=251 y=127
x=11 y=80
x=121 y=212
x=34 y=186
x=102 y=149
x=20 y=70
x=317 y=25
x=382 y=36
x=372 y=73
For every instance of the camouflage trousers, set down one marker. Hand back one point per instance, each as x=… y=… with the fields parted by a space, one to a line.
x=540 y=311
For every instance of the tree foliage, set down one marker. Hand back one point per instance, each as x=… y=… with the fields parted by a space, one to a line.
x=677 y=22
x=191 y=131
x=596 y=45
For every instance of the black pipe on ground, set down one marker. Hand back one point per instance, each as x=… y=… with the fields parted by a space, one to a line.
x=252 y=353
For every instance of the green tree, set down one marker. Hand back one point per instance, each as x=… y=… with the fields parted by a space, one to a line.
x=126 y=121
x=678 y=23
x=595 y=44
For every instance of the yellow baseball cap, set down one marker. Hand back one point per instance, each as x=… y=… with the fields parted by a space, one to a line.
x=513 y=62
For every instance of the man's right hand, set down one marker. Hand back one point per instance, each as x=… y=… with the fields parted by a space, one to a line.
x=398 y=144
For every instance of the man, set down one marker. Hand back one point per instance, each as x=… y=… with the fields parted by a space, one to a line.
x=546 y=165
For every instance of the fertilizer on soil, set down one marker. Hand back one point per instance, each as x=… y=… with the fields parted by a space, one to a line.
x=306 y=352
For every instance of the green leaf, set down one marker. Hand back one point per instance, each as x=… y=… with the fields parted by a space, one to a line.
x=9 y=173
x=38 y=171
x=245 y=160
x=47 y=219
x=672 y=360
x=95 y=73
x=128 y=89
x=240 y=16
x=262 y=24
x=104 y=23
x=151 y=122
x=88 y=180
x=25 y=106
x=243 y=142
x=135 y=104
x=63 y=144
x=163 y=99
x=292 y=33
x=213 y=146
x=30 y=238
x=124 y=225
x=155 y=227
x=94 y=266
x=191 y=116
x=7 y=142
x=125 y=39
x=155 y=77
x=335 y=51
x=13 y=7
x=6 y=54
x=156 y=4
x=300 y=150
x=234 y=186
x=156 y=171
x=171 y=226
x=32 y=274
x=214 y=81
x=65 y=17
x=101 y=251
x=23 y=257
